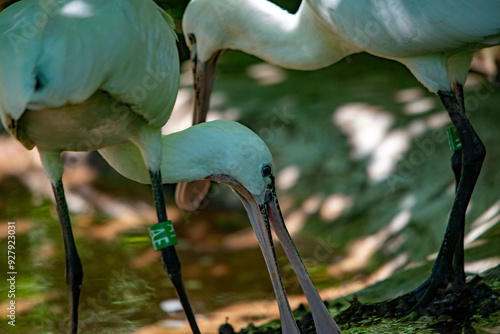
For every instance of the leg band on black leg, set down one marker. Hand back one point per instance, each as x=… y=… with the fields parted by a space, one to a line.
x=171 y=263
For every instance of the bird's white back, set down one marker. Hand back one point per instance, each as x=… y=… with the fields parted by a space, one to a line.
x=406 y=28
x=74 y=48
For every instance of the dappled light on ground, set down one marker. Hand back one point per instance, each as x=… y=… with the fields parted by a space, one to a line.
x=287 y=177
x=483 y=223
x=361 y=251
x=365 y=127
x=266 y=74
x=415 y=101
x=478 y=267
x=23 y=305
x=334 y=206
x=371 y=134
x=487 y=62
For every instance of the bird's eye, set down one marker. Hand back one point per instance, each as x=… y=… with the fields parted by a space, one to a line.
x=266 y=170
x=192 y=39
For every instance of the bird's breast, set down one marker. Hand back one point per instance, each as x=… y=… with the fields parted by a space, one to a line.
x=98 y=122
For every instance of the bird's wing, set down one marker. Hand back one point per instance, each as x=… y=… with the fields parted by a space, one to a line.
x=19 y=47
x=124 y=47
x=407 y=28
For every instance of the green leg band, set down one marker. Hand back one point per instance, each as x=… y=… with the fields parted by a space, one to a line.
x=455 y=143
x=162 y=235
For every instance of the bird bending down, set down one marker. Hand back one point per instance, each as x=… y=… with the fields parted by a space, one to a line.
x=434 y=39
x=85 y=75
x=229 y=153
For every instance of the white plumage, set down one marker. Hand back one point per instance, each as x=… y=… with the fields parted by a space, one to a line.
x=72 y=54
x=423 y=35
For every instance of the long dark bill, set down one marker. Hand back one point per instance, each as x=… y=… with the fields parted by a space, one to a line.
x=203 y=81
x=257 y=213
x=323 y=320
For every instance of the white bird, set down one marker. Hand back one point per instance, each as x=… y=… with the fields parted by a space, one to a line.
x=229 y=153
x=81 y=75
x=434 y=39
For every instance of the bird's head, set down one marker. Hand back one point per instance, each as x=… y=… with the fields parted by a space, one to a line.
x=204 y=25
x=230 y=153
x=222 y=151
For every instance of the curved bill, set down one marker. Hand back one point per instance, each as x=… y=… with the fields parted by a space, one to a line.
x=322 y=318
x=203 y=81
x=264 y=212
x=257 y=213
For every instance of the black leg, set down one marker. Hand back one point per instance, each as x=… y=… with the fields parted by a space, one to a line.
x=456 y=166
x=473 y=153
x=171 y=262
x=458 y=259
x=74 y=271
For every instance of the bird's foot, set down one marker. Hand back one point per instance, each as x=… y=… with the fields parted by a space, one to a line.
x=456 y=300
x=436 y=293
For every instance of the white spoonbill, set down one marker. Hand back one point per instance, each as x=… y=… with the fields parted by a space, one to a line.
x=227 y=152
x=434 y=39
x=84 y=75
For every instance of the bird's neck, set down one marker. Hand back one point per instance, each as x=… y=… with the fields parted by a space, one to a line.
x=180 y=153
x=297 y=41
x=211 y=148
